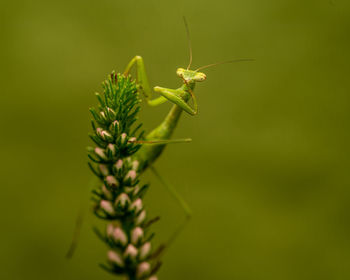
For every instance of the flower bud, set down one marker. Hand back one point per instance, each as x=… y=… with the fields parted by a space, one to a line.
x=132 y=139
x=100 y=153
x=111 y=147
x=103 y=116
x=103 y=169
x=111 y=113
x=131 y=175
x=135 y=165
x=112 y=181
x=136 y=235
x=106 y=192
x=153 y=277
x=130 y=252
x=143 y=268
x=136 y=190
x=106 y=136
x=122 y=201
x=109 y=229
x=145 y=250
x=115 y=258
x=107 y=207
x=128 y=189
x=123 y=138
x=136 y=205
x=119 y=164
x=141 y=218
x=98 y=131
x=114 y=127
x=119 y=236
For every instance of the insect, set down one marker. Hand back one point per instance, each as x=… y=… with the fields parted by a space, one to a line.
x=157 y=139
x=181 y=96
x=112 y=143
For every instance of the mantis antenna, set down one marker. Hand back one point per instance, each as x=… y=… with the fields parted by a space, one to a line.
x=189 y=42
x=224 y=62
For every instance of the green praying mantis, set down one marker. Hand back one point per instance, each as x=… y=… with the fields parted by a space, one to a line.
x=180 y=97
x=155 y=142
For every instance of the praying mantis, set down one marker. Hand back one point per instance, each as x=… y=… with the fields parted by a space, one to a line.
x=157 y=139
x=180 y=97
x=154 y=143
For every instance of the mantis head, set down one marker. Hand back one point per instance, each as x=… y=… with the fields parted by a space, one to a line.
x=190 y=76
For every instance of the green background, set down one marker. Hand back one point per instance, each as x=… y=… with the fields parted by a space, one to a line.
x=267 y=173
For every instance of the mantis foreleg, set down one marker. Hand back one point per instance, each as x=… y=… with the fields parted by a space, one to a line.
x=173 y=95
x=142 y=80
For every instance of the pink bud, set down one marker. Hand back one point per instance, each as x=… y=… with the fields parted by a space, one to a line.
x=136 y=190
x=140 y=218
x=130 y=251
x=111 y=147
x=119 y=164
x=135 y=164
x=103 y=169
x=153 y=277
x=136 y=235
x=119 y=236
x=109 y=229
x=122 y=200
x=136 y=205
x=100 y=152
x=112 y=181
x=145 y=250
x=143 y=268
x=99 y=130
x=132 y=139
x=114 y=126
x=123 y=137
x=107 y=207
x=104 y=133
x=115 y=258
x=111 y=111
x=131 y=175
x=106 y=192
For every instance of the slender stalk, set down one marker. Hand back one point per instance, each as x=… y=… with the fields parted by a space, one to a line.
x=119 y=197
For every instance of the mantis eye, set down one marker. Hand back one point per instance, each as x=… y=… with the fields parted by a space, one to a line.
x=200 y=77
x=180 y=72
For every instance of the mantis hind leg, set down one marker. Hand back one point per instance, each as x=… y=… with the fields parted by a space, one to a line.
x=79 y=222
x=142 y=79
x=76 y=235
x=182 y=203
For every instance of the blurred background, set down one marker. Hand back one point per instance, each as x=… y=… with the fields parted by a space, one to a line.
x=267 y=174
